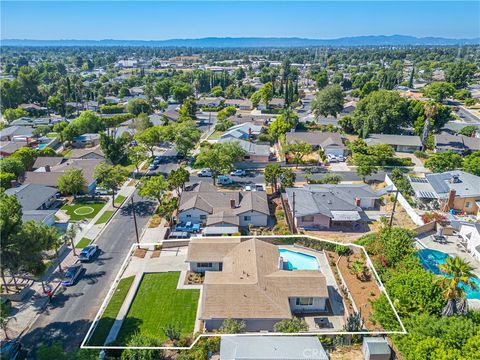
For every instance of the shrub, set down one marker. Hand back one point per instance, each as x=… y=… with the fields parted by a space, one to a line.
x=421 y=154
x=231 y=326
x=294 y=325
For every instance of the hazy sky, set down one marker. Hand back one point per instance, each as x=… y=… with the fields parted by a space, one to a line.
x=157 y=20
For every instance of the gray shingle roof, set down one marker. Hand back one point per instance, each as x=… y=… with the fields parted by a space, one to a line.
x=468 y=185
x=316 y=138
x=251 y=148
x=403 y=140
x=32 y=196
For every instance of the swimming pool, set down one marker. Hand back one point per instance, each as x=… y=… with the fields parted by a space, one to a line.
x=294 y=260
x=41 y=146
x=430 y=260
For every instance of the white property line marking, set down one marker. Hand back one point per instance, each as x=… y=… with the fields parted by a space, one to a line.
x=122 y=269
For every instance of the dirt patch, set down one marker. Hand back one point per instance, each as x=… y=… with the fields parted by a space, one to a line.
x=155 y=221
x=338 y=236
x=194 y=278
x=363 y=292
x=353 y=352
x=401 y=218
x=156 y=253
x=140 y=253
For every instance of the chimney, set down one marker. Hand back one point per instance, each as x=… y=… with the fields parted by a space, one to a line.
x=47 y=168
x=232 y=203
x=450 y=199
x=357 y=201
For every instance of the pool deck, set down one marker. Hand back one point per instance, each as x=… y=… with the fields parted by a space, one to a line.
x=452 y=248
x=335 y=299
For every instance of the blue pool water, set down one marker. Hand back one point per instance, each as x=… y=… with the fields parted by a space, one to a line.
x=41 y=146
x=430 y=260
x=294 y=260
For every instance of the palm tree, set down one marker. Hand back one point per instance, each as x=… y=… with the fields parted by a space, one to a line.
x=457 y=271
x=430 y=110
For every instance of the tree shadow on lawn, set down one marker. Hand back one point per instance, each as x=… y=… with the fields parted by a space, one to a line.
x=130 y=326
x=142 y=208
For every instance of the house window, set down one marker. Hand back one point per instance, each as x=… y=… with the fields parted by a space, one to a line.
x=203 y=217
x=247 y=157
x=188 y=215
x=468 y=204
x=204 y=265
x=304 y=301
x=308 y=218
x=247 y=218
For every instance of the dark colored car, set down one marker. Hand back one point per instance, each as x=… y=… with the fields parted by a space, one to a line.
x=71 y=275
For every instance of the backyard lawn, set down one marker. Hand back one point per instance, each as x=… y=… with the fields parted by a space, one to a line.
x=108 y=317
x=80 y=211
x=105 y=217
x=157 y=304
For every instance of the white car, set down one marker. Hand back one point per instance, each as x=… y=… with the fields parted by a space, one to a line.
x=205 y=173
x=224 y=180
x=238 y=172
x=331 y=158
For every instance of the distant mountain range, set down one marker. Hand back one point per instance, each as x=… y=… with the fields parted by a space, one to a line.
x=249 y=42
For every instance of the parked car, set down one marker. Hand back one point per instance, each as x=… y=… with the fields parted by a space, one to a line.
x=341 y=158
x=179 y=235
x=102 y=191
x=331 y=158
x=238 y=172
x=249 y=188
x=225 y=180
x=188 y=226
x=88 y=252
x=153 y=167
x=260 y=187
x=71 y=275
x=10 y=349
x=205 y=173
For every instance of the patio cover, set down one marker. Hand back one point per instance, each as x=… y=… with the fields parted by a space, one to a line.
x=345 y=215
x=220 y=230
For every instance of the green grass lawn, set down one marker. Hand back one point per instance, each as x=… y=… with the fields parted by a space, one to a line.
x=157 y=304
x=52 y=135
x=216 y=135
x=83 y=242
x=80 y=211
x=105 y=217
x=119 y=199
x=108 y=317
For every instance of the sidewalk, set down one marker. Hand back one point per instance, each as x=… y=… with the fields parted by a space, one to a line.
x=25 y=313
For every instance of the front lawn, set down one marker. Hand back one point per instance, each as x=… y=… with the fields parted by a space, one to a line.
x=81 y=211
x=108 y=317
x=105 y=217
x=157 y=304
x=119 y=199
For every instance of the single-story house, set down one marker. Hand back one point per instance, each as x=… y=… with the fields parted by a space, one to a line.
x=171 y=115
x=259 y=120
x=35 y=201
x=49 y=175
x=471 y=233
x=349 y=106
x=400 y=143
x=254 y=152
x=376 y=348
x=455 y=190
x=240 y=104
x=206 y=204
x=271 y=348
x=275 y=103
x=51 y=161
x=86 y=140
x=248 y=282
x=459 y=144
x=94 y=153
x=329 y=206
x=245 y=131
x=209 y=102
x=9 y=147
x=9 y=133
x=330 y=142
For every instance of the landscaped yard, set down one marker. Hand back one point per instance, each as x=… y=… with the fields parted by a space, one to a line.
x=157 y=304
x=119 y=199
x=105 y=217
x=80 y=211
x=83 y=242
x=108 y=317
x=216 y=135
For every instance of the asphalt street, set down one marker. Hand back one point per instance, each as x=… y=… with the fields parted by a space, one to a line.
x=72 y=311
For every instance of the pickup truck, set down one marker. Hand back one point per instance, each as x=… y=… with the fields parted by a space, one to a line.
x=188 y=227
x=205 y=173
x=225 y=180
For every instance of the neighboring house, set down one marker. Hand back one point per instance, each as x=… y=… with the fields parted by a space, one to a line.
x=258 y=120
x=240 y=104
x=376 y=348
x=156 y=119
x=271 y=348
x=330 y=142
x=209 y=102
x=330 y=206
x=9 y=133
x=26 y=121
x=471 y=233
x=400 y=143
x=49 y=175
x=94 y=153
x=252 y=285
x=51 y=161
x=455 y=190
x=245 y=131
x=275 y=103
x=111 y=100
x=349 y=106
x=86 y=140
x=171 y=115
x=9 y=147
x=35 y=201
x=206 y=204
x=459 y=144
x=253 y=152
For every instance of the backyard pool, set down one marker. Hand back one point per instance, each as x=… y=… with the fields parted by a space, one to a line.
x=41 y=146
x=294 y=260
x=430 y=260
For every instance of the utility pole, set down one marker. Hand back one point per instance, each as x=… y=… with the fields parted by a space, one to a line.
x=135 y=220
x=393 y=210
x=293 y=212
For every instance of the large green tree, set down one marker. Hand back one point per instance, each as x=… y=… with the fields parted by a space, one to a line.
x=153 y=187
x=71 y=182
x=110 y=177
x=444 y=161
x=329 y=101
x=439 y=90
x=471 y=163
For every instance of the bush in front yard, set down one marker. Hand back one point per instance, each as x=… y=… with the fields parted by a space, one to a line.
x=294 y=325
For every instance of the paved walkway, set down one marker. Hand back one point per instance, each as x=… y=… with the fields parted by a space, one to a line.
x=25 y=313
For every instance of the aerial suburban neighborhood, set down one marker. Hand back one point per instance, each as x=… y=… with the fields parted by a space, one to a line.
x=272 y=197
